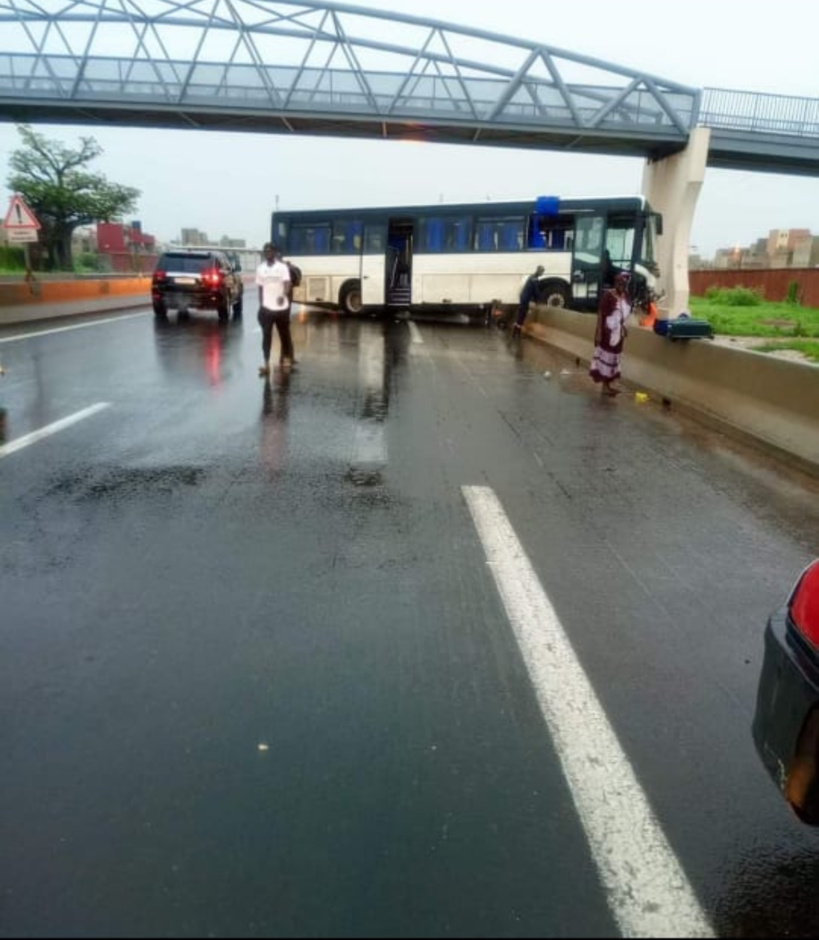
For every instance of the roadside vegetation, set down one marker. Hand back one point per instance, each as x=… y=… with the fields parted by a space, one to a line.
x=13 y=263
x=63 y=192
x=743 y=312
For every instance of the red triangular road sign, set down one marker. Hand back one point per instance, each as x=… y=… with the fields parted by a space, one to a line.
x=20 y=216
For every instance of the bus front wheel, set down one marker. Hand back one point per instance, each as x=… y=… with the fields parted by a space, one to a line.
x=554 y=294
x=350 y=300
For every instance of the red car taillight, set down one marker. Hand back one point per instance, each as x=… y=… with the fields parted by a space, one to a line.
x=212 y=277
x=804 y=605
x=159 y=276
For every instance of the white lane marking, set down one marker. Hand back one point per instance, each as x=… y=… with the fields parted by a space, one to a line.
x=648 y=892
x=60 y=425
x=65 y=329
x=415 y=333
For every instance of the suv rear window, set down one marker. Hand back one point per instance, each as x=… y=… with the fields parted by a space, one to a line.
x=192 y=264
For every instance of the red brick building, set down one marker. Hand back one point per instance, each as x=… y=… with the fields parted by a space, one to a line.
x=127 y=247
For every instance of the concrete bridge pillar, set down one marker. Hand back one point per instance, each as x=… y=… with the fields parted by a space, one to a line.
x=672 y=186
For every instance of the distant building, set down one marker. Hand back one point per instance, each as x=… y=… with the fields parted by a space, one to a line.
x=806 y=253
x=125 y=247
x=783 y=248
x=227 y=242
x=196 y=238
x=116 y=238
x=728 y=259
x=784 y=241
x=84 y=240
x=193 y=238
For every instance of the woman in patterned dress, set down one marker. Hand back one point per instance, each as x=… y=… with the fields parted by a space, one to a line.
x=615 y=309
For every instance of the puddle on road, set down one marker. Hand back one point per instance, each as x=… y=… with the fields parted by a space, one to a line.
x=127 y=482
x=365 y=477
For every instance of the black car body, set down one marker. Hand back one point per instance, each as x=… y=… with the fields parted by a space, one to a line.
x=786 y=724
x=200 y=279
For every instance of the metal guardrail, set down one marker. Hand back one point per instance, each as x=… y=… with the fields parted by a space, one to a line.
x=760 y=113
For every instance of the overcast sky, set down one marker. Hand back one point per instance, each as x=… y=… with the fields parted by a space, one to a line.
x=226 y=184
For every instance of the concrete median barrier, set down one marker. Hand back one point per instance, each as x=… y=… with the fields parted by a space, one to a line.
x=22 y=302
x=756 y=396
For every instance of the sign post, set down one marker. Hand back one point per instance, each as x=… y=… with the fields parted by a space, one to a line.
x=22 y=228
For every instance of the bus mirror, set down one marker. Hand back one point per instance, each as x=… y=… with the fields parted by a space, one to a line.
x=659 y=219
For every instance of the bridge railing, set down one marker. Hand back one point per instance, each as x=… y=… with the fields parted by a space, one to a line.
x=387 y=95
x=760 y=113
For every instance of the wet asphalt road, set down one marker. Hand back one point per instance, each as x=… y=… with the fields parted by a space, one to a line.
x=256 y=678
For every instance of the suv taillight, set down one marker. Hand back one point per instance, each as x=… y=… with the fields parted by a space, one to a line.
x=159 y=276
x=804 y=605
x=212 y=277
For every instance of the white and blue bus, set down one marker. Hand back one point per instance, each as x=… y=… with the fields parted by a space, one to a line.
x=469 y=256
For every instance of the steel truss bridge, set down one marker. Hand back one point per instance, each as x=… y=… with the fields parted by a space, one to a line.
x=324 y=68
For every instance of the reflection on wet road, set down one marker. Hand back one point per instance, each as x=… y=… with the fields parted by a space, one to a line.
x=260 y=674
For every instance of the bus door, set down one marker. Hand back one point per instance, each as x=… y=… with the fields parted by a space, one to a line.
x=588 y=261
x=373 y=264
x=400 y=241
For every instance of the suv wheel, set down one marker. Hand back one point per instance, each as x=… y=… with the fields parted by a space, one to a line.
x=238 y=308
x=160 y=310
x=223 y=310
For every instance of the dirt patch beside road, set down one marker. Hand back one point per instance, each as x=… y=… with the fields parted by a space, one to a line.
x=751 y=343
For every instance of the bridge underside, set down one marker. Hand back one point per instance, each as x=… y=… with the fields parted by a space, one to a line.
x=422 y=129
x=765 y=153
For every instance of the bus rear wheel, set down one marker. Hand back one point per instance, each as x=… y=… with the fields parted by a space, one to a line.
x=350 y=300
x=554 y=294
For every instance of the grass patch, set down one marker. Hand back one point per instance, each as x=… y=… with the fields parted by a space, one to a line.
x=774 y=320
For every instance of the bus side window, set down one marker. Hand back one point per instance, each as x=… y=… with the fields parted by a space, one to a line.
x=511 y=235
x=458 y=232
x=321 y=239
x=347 y=237
x=375 y=239
x=433 y=236
x=339 y=237
x=536 y=233
x=484 y=235
x=499 y=234
x=297 y=242
x=280 y=234
x=310 y=239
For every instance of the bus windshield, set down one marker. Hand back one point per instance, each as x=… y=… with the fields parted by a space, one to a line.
x=620 y=241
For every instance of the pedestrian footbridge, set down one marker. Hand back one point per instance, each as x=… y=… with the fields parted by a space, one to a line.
x=331 y=69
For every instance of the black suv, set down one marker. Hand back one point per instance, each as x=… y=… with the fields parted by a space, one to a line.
x=204 y=279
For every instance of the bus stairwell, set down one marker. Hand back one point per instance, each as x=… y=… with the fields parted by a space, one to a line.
x=399 y=265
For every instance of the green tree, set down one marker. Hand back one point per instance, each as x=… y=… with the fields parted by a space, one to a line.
x=62 y=192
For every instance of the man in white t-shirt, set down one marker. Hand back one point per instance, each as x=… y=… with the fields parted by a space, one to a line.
x=275 y=294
